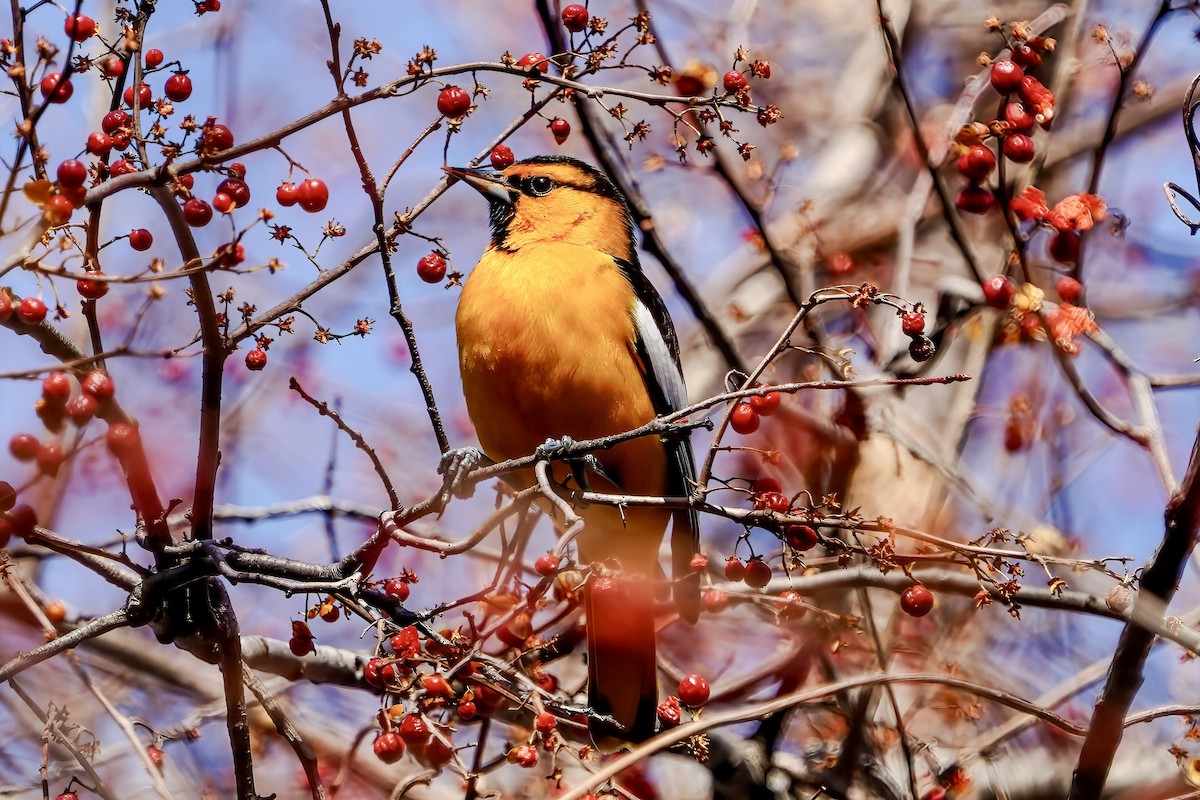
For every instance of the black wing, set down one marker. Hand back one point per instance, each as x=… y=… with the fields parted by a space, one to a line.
x=658 y=347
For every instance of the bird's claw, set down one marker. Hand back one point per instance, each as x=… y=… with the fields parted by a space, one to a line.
x=455 y=465
x=552 y=449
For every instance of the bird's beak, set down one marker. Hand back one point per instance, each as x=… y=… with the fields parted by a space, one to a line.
x=488 y=182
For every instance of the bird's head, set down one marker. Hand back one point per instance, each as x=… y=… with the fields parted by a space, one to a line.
x=553 y=199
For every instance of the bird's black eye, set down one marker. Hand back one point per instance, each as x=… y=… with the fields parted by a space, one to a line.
x=540 y=185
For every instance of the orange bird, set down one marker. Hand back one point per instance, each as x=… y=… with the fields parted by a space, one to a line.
x=561 y=336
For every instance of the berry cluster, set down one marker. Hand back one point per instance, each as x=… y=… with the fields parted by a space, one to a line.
x=744 y=418
x=1027 y=104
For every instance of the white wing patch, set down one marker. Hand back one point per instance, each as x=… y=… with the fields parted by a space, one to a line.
x=662 y=365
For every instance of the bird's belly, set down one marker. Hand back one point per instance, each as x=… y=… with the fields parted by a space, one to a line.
x=551 y=354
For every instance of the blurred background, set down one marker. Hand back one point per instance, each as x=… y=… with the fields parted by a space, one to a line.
x=834 y=193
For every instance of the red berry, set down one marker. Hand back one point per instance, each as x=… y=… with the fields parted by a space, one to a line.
x=56 y=388
x=453 y=102
x=217 y=137
x=800 y=537
x=312 y=195
x=744 y=419
x=669 y=713
x=432 y=268
x=714 y=601
x=560 y=129
x=120 y=167
x=99 y=143
x=764 y=404
x=524 y=756
x=113 y=67
x=975 y=199
x=91 y=289
x=1019 y=148
x=436 y=685
x=1068 y=289
x=72 y=173
x=371 y=672
x=49 y=458
x=154 y=58
x=155 y=755
x=23 y=520
x=735 y=570
x=140 y=239
x=1018 y=117
x=285 y=195
x=414 y=730
x=467 y=710
x=222 y=202
x=178 y=87
x=67 y=796
x=502 y=156
x=98 y=384
x=921 y=348
x=575 y=18
x=397 y=588
x=56 y=88
x=256 y=359
x=237 y=189
x=912 y=323
x=114 y=120
x=534 y=58
x=758 y=573
x=31 y=310
x=58 y=210
x=977 y=163
x=122 y=438
x=916 y=601
x=301 y=646
x=773 y=501
x=698 y=563
x=197 y=213
x=693 y=691
x=143 y=96
x=186 y=181
x=1026 y=56
x=545 y=722
x=82 y=408
x=734 y=81
x=998 y=291
x=1006 y=76
x=764 y=485
x=791 y=605
x=388 y=747
x=24 y=446
x=80 y=27
x=436 y=754
x=1064 y=247
x=840 y=264
x=6 y=306
x=546 y=565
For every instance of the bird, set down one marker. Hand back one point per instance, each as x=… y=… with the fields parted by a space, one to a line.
x=561 y=337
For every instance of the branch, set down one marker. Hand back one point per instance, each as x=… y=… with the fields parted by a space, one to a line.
x=1160 y=579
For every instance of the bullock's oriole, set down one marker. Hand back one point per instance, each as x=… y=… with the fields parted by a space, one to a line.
x=560 y=334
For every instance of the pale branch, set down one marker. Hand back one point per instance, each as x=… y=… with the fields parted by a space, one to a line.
x=682 y=733
x=324 y=410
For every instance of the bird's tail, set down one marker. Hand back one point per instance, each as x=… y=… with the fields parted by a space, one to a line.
x=622 y=679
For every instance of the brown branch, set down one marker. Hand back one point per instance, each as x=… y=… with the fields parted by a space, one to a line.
x=1160 y=579
x=324 y=410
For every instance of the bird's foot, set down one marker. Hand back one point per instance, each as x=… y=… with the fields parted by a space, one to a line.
x=552 y=449
x=455 y=465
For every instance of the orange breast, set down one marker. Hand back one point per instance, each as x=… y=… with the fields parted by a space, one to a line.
x=547 y=349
